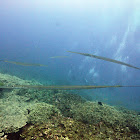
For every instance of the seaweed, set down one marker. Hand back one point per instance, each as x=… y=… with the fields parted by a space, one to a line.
x=106 y=59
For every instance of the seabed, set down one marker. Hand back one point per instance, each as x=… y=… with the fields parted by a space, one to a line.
x=32 y=114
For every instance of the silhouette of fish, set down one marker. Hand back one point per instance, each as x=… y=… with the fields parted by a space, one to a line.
x=106 y=59
x=23 y=64
x=66 y=87
x=59 y=56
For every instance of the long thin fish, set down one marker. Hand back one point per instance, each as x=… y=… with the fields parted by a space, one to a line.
x=60 y=87
x=106 y=59
x=59 y=56
x=23 y=64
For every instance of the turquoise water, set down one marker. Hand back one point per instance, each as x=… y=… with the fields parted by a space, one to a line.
x=33 y=32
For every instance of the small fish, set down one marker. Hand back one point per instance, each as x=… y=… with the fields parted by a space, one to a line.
x=59 y=56
x=106 y=59
x=24 y=64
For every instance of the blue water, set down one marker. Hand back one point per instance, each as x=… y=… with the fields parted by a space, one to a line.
x=34 y=31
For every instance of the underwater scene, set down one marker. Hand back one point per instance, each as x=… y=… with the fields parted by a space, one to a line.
x=70 y=70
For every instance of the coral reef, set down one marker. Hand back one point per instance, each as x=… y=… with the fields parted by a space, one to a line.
x=12 y=115
x=62 y=128
x=56 y=114
x=64 y=102
x=41 y=112
x=93 y=113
